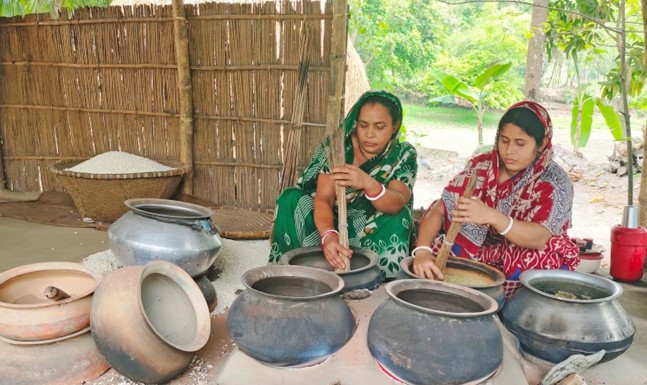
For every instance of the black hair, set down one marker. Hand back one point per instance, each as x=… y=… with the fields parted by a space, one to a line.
x=394 y=111
x=527 y=121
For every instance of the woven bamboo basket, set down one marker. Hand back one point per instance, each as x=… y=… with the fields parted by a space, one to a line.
x=101 y=196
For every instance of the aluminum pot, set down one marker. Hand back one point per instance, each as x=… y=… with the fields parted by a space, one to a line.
x=26 y=314
x=73 y=359
x=558 y=313
x=162 y=229
x=431 y=332
x=290 y=315
x=363 y=274
x=493 y=289
x=148 y=321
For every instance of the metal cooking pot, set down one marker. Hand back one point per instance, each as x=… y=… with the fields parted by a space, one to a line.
x=558 y=313
x=162 y=229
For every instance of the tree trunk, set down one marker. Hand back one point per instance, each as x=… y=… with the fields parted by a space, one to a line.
x=479 y=115
x=642 y=199
x=181 y=35
x=536 y=47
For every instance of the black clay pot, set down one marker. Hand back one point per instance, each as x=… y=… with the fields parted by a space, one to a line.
x=436 y=333
x=364 y=272
x=290 y=315
x=495 y=277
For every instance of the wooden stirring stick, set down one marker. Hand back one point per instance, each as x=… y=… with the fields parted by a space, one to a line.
x=454 y=227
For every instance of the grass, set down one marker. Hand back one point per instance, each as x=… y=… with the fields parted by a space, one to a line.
x=417 y=117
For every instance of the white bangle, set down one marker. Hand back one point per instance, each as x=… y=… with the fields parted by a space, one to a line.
x=507 y=229
x=429 y=249
x=378 y=196
x=327 y=233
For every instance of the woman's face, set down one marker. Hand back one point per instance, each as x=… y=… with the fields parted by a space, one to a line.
x=516 y=148
x=374 y=129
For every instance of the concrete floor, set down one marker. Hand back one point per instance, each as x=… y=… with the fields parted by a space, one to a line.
x=23 y=242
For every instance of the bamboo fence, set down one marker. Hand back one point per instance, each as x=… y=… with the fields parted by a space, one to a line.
x=107 y=79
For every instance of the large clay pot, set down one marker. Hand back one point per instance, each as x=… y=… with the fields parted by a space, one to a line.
x=290 y=315
x=430 y=332
x=493 y=279
x=161 y=229
x=26 y=314
x=558 y=313
x=363 y=273
x=149 y=320
x=71 y=360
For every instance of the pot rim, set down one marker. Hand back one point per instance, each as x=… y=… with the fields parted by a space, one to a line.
x=528 y=276
x=489 y=305
x=370 y=254
x=496 y=274
x=47 y=266
x=192 y=291
x=335 y=282
x=200 y=211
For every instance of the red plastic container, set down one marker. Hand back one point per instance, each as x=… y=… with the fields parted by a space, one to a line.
x=628 y=247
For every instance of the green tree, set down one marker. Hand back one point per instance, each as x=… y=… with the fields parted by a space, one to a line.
x=10 y=8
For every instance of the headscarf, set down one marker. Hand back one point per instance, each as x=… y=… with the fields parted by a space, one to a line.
x=534 y=194
x=381 y=167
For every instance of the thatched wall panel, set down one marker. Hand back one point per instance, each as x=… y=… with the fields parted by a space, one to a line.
x=105 y=79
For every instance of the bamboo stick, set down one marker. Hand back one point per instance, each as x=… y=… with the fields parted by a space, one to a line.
x=335 y=109
x=454 y=227
x=181 y=34
x=3 y=178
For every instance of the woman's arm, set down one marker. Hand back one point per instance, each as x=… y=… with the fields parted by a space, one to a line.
x=324 y=202
x=396 y=194
x=424 y=262
x=524 y=234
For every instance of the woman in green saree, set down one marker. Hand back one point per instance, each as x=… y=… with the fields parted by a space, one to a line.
x=378 y=176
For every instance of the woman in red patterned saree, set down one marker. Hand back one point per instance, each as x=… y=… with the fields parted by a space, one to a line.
x=520 y=209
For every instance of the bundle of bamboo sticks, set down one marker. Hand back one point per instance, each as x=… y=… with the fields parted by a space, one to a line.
x=293 y=147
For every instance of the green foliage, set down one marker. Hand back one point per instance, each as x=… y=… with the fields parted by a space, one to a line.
x=476 y=96
x=9 y=8
x=579 y=37
x=400 y=41
x=611 y=118
x=582 y=117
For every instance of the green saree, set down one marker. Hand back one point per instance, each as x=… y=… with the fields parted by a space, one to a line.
x=368 y=228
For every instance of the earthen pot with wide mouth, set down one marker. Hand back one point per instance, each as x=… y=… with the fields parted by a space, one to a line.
x=26 y=311
x=290 y=316
x=558 y=313
x=433 y=333
x=149 y=320
x=72 y=359
x=465 y=272
x=363 y=274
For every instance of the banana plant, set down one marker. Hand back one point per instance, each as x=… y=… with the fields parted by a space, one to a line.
x=474 y=94
x=582 y=120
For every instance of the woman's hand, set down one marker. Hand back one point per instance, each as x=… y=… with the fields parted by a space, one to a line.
x=353 y=176
x=332 y=248
x=472 y=210
x=424 y=266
